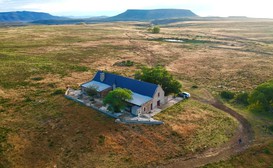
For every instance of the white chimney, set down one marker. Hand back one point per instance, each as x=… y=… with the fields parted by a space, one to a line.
x=102 y=76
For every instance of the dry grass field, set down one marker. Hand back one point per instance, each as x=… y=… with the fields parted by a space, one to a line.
x=40 y=128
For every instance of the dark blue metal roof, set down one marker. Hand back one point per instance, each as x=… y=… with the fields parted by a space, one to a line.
x=140 y=87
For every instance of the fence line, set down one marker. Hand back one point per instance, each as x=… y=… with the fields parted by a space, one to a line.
x=92 y=107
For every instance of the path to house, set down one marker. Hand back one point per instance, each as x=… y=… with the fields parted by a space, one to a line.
x=244 y=132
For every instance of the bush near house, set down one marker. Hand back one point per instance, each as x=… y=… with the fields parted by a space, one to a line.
x=116 y=99
x=160 y=76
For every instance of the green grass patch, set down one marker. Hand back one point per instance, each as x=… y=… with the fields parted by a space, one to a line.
x=78 y=68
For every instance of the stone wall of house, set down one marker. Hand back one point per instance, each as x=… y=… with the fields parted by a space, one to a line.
x=158 y=96
x=146 y=108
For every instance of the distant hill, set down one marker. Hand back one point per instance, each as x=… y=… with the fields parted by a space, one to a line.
x=87 y=17
x=239 y=17
x=25 y=16
x=144 y=15
x=175 y=20
x=129 y=15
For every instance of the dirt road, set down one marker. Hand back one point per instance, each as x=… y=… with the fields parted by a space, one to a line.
x=244 y=132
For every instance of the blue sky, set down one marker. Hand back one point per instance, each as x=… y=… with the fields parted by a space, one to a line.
x=250 y=8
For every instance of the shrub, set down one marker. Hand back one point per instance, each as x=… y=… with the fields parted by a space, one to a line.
x=52 y=85
x=101 y=139
x=156 y=29
x=27 y=99
x=127 y=63
x=194 y=87
x=58 y=92
x=227 y=95
x=270 y=128
x=266 y=151
x=50 y=143
x=37 y=78
x=241 y=98
x=3 y=139
x=78 y=68
x=160 y=76
x=261 y=99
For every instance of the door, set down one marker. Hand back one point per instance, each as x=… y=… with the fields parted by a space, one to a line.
x=158 y=103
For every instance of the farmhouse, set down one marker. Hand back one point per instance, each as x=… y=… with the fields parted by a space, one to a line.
x=146 y=96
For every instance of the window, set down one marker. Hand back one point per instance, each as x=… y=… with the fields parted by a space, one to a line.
x=158 y=94
x=144 y=109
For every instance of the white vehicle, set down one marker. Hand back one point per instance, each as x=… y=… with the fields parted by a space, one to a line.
x=185 y=95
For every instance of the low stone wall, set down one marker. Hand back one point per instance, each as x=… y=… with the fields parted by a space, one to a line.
x=148 y=122
x=92 y=107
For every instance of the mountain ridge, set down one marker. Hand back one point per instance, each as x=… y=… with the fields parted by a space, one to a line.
x=151 y=14
x=128 y=15
x=26 y=16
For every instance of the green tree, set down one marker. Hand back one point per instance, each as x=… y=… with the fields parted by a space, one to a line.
x=261 y=99
x=227 y=95
x=242 y=98
x=159 y=75
x=116 y=99
x=156 y=29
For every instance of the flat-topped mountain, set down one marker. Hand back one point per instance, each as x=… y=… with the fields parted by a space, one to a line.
x=129 y=15
x=138 y=15
x=25 y=16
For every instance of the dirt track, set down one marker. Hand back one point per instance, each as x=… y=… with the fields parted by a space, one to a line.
x=228 y=149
